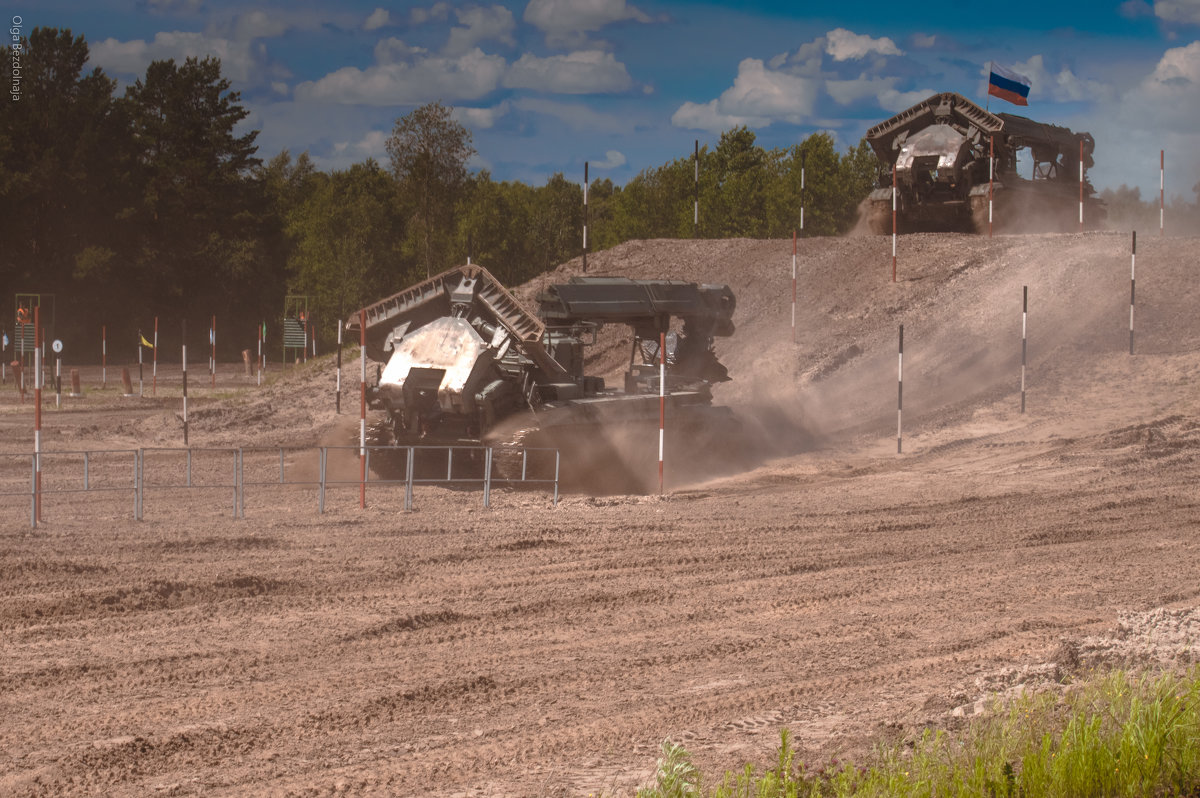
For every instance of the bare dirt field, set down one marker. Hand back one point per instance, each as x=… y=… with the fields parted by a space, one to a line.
x=805 y=576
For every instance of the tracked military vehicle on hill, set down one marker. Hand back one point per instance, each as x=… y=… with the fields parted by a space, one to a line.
x=937 y=153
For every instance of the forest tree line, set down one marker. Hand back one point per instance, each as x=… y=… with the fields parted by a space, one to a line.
x=153 y=202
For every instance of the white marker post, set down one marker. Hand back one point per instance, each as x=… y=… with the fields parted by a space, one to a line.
x=900 y=397
x=662 y=403
x=1024 y=316
x=184 y=361
x=37 y=413
x=212 y=358
x=154 y=357
x=991 y=178
x=1132 y=274
x=338 y=404
x=696 y=193
x=103 y=356
x=1081 y=185
x=803 y=160
x=585 y=213
x=141 y=370
x=362 y=421
x=893 y=223
x=1162 y=182
x=793 y=286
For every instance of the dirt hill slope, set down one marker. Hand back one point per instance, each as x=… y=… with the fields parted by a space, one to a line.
x=960 y=300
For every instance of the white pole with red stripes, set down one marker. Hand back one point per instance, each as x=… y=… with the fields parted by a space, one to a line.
x=662 y=402
x=793 y=286
x=1162 y=182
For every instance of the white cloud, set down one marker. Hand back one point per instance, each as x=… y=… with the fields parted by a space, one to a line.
x=379 y=18
x=261 y=25
x=279 y=87
x=845 y=92
x=577 y=117
x=586 y=72
x=844 y=45
x=1184 y=11
x=757 y=97
x=479 y=24
x=567 y=22
x=393 y=50
x=425 y=79
x=480 y=118
x=372 y=145
x=612 y=160
x=1063 y=86
x=896 y=101
x=438 y=12
x=239 y=59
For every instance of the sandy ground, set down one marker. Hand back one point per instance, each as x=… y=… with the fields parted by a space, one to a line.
x=817 y=580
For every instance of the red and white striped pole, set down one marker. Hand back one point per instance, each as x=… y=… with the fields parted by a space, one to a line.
x=1024 y=348
x=362 y=420
x=1132 y=285
x=793 y=286
x=900 y=396
x=103 y=356
x=991 y=178
x=1162 y=182
x=185 y=403
x=154 y=366
x=585 y=213
x=893 y=223
x=803 y=159
x=37 y=412
x=662 y=402
x=1081 y=185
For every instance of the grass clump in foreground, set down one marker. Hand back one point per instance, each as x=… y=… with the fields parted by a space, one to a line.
x=1120 y=735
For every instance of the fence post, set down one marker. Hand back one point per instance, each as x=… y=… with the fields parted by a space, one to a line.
x=408 y=482
x=487 y=477
x=33 y=491
x=321 y=479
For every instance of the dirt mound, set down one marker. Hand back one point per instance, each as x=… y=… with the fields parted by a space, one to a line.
x=830 y=586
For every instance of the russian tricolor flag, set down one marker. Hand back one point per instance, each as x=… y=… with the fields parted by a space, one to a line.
x=1009 y=85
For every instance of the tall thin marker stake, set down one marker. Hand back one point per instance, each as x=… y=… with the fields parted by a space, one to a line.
x=1132 y=273
x=154 y=356
x=362 y=419
x=585 y=213
x=793 y=286
x=662 y=402
x=900 y=396
x=893 y=223
x=1162 y=182
x=1081 y=185
x=696 y=193
x=37 y=411
x=103 y=356
x=1024 y=349
x=259 y=358
x=339 y=361
x=141 y=374
x=803 y=160
x=185 y=403
x=212 y=358
x=991 y=178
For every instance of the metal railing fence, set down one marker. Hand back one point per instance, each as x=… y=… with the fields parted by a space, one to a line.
x=143 y=470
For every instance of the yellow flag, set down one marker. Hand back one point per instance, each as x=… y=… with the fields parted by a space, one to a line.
x=146 y=343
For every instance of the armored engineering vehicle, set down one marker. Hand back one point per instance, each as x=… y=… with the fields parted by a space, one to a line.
x=939 y=151
x=467 y=363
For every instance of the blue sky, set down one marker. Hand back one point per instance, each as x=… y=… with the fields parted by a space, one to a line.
x=545 y=85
